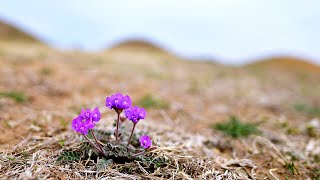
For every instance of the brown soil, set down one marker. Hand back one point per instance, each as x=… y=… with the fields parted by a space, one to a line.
x=198 y=94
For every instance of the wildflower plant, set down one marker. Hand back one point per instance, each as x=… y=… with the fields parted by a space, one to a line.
x=87 y=119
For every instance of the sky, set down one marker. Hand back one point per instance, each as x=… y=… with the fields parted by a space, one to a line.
x=230 y=31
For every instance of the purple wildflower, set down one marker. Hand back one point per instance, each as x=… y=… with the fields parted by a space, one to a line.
x=135 y=114
x=85 y=120
x=145 y=141
x=118 y=101
x=96 y=115
x=82 y=125
x=86 y=114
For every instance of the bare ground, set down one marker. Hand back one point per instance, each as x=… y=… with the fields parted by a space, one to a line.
x=58 y=84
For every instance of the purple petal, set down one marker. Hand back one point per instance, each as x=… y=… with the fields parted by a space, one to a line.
x=108 y=102
x=142 y=113
x=127 y=102
x=118 y=101
x=82 y=125
x=135 y=114
x=86 y=113
x=145 y=141
x=96 y=115
x=128 y=113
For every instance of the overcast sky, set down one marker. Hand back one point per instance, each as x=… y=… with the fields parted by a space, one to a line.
x=232 y=31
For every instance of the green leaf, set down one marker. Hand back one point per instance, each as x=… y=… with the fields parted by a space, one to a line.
x=69 y=156
x=103 y=163
x=116 y=150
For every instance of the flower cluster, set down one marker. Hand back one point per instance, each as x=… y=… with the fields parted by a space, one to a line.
x=118 y=102
x=134 y=114
x=86 y=120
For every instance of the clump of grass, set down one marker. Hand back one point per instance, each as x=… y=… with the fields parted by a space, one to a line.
x=46 y=71
x=61 y=142
x=315 y=174
x=292 y=130
x=194 y=87
x=148 y=101
x=19 y=97
x=6 y=124
x=307 y=109
x=235 y=128
x=2 y=52
x=303 y=76
x=292 y=168
x=311 y=131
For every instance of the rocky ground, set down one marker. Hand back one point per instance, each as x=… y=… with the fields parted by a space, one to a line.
x=43 y=89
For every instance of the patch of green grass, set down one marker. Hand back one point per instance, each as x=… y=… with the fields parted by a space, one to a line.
x=12 y=158
x=2 y=52
x=6 y=124
x=316 y=159
x=194 y=87
x=25 y=154
x=19 y=97
x=292 y=168
x=315 y=174
x=292 y=130
x=307 y=109
x=46 y=71
x=148 y=101
x=61 y=142
x=235 y=128
x=303 y=76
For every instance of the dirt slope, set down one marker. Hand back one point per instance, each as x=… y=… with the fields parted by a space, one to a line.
x=43 y=89
x=9 y=32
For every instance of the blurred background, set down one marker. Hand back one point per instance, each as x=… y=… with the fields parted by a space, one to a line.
x=219 y=70
x=227 y=31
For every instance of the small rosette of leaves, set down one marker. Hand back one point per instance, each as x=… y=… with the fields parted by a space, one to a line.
x=119 y=153
x=69 y=156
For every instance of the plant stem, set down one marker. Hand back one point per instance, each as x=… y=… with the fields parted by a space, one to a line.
x=117 y=130
x=134 y=125
x=94 y=136
x=139 y=153
x=100 y=152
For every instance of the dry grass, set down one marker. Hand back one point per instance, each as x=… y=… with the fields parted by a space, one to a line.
x=57 y=84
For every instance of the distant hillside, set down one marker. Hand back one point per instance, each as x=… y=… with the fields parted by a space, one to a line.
x=10 y=33
x=286 y=63
x=138 y=44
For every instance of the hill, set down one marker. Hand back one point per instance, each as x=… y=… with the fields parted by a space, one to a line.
x=286 y=63
x=9 y=32
x=138 y=45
